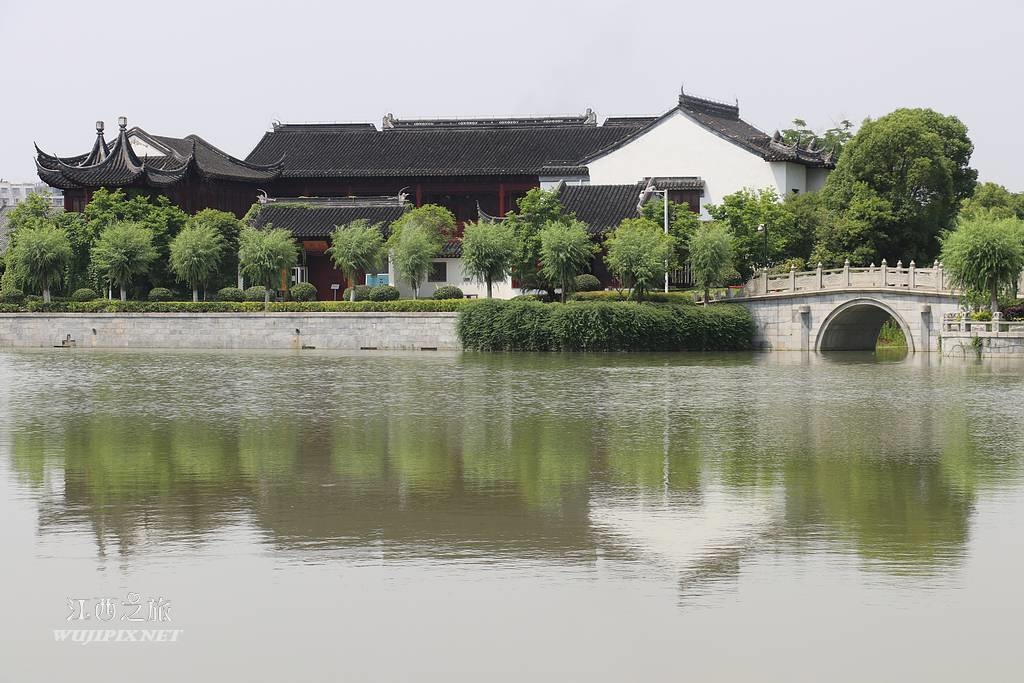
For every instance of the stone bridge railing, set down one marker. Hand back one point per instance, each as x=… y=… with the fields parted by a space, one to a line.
x=931 y=279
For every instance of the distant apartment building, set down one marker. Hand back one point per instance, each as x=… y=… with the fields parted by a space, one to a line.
x=12 y=194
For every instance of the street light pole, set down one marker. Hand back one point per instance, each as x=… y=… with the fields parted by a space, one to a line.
x=666 y=235
x=763 y=227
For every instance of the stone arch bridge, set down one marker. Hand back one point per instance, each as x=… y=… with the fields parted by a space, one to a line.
x=843 y=309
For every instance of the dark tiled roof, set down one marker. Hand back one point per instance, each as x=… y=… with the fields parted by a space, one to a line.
x=317 y=218
x=601 y=207
x=452 y=249
x=442 y=148
x=724 y=120
x=117 y=164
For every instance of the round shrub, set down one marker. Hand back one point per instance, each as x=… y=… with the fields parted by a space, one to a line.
x=587 y=283
x=160 y=294
x=230 y=294
x=303 y=291
x=33 y=297
x=255 y=293
x=384 y=293
x=12 y=296
x=526 y=297
x=84 y=294
x=448 y=292
x=362 y=293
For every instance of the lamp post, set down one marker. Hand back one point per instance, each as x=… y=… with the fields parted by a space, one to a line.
x=764 y=228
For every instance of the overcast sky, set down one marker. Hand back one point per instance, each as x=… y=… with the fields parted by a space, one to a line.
x=225 y=70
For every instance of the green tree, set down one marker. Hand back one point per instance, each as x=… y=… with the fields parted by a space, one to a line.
x=228 y=227
x=437 y=222
x=834 y=138
x=682 y=222
x=265 y=255
x=163 y=219
x=537 y=209
x=711 y=256
x=744 y=213
x=413 y=254
x=910 y=168
x=123 y=252
x=565 y=252
x=488 y=250
x=985 y=255
x=993 y=201
x=196 y=253
x=637 y=251
x=39 y=256
x=357 y=248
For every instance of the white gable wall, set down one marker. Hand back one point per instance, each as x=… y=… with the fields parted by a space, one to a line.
x=679 y=146
x=455 y=276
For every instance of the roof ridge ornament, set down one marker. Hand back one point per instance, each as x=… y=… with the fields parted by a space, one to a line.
x=591 y=117
x=122 y=122
x=388 y=121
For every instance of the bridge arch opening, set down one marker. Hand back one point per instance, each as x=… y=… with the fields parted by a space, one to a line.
x=855 y=325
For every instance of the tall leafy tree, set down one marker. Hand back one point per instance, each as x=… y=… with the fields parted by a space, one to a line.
x=537 y=209
x=228 y=227
x=436 y=221
x=196 y=253
x=39 y=256
x=993 y=201
x=265 y=255
x=744 y=212
x=911 y=167
x=488 y=252
x=356 y=248
x=413 y=254
x=711 y=256
x=124 y=252
x=682 y=222
x=834 y=138
x=565 y=252
x=985 y=255
x=637 y=251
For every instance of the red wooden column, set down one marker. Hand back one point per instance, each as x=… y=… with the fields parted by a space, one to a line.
x=501 y=199
x=419 y=195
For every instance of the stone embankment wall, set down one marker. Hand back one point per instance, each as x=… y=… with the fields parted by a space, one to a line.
x=384 y=331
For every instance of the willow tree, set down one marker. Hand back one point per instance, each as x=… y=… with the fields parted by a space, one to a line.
x=565 y=252
x=413 y=253
x=711 y=257
x=639 y=253
x=488 y=252
x=985 y=255
x=39 y=256
x=355 y=248
x=265 y=254
x=195 y=255
x=123 y=252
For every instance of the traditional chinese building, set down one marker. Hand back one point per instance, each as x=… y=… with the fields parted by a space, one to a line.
x=699 y=151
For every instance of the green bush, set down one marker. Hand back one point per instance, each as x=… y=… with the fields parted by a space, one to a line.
x=230 y=294
x=84 y=294
x=32 y=297
x=981 y=316
x=526 y=297
x=587 y=283
x=118 y=306
x=383 y=293
x=303 y=291
x=12 y=296
x=362 y=293
x=494 y=325
x=255 y=293
x=603 y=326
x=160 y=294
x=623 y=295
x=448 y=292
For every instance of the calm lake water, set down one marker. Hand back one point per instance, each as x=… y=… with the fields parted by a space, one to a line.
x=365 y=517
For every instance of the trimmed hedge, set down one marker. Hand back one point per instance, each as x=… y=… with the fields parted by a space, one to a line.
x=117 y=306
x=84 y=294
x=255 y=293
x=303 y=291
x=587 y=283
x=384 y=293
x=448 y=292
x=230 y=294
x=160 y=294
x=12 y=296
x=603 y=326
x=652 y=297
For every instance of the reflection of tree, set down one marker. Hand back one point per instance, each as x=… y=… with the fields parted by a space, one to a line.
x=509 y=454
